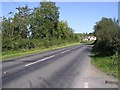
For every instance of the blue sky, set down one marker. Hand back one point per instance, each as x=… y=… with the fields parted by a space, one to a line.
x=81 y=16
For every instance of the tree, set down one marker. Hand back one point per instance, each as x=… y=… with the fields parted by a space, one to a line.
x=65 y=32
x=107 y=33
x=38 y=27
x=22 y=21
x=47 y=16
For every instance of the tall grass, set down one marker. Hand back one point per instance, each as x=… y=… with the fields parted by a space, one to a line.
x=108 y=64
x=14 y=54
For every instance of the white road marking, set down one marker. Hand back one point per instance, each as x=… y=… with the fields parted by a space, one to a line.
x=57 y=54
x=40 y=60
x=65 y=51
x=86 y=85
x=5 y=72
x=45 y=58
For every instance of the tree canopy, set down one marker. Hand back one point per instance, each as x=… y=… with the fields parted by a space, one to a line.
x=107 y=32
x=31 y=28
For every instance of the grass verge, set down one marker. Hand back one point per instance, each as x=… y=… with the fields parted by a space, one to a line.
x=15 y=54
x=108 y=64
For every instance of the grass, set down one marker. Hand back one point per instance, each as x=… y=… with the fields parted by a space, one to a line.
x=108 y=64
x=88 y=42
x=15 y=54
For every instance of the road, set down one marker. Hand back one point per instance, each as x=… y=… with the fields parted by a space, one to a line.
x=62 y=68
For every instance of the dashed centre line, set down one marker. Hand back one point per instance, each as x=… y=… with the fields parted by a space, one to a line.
x=40 y=60
x=65 y=51
x=48 y=57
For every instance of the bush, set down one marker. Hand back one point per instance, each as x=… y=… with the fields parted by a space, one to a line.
x=107 y=32
x=18 y=44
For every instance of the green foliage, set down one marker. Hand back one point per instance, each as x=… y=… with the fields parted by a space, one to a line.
x=45 y=20
x=107 y=32
x=18 y=44
x=35 y=28
x=107 y=46
x=107 y=64
x=14 y=54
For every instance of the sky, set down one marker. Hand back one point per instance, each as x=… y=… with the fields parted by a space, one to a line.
x=81 y=16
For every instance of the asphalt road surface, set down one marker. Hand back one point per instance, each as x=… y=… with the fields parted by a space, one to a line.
x=62 y=68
